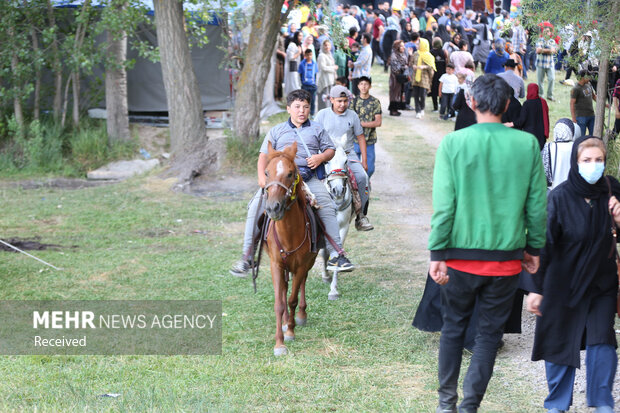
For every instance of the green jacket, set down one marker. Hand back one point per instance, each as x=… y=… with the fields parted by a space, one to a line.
x=489 y=195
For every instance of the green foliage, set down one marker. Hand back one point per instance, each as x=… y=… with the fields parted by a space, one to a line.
x=48 y=148
x=612 y=166
x=592 y=16
x=240 y=155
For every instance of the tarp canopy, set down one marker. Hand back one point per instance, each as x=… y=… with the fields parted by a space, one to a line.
x=145 y=83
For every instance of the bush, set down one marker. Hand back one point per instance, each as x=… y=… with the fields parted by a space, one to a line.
x=45 y=147
x=613 y=158
x=241 y=155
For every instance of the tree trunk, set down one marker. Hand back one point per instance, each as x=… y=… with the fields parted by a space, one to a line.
x=116 y=89
x=37 y=74
x=80 y=34
x=601 y=92
x=192 y=156
x=249 y=88
x=603 y=66
x=76 y=98
x=17 y=100
x=56 y=66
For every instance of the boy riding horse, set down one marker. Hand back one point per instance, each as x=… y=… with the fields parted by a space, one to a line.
x=314 y=147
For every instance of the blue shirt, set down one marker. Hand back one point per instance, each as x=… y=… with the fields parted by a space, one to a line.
x=495 y=62
x=307 y=72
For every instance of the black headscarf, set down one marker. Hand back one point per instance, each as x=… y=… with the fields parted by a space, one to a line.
x=577 y=184
x=443 y=33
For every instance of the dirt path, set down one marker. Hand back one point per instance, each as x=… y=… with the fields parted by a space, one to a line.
x=414 y=214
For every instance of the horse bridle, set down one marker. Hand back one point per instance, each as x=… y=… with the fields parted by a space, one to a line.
x=291 y=190
x=337 y=174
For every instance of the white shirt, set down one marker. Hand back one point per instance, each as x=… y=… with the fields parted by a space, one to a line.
x=449 y=83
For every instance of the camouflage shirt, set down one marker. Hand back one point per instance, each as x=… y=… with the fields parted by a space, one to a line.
x=366 y=109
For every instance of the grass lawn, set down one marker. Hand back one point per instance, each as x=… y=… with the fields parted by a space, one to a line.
x=139 y=240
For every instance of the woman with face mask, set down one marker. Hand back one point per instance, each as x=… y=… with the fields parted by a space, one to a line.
x=574 y=293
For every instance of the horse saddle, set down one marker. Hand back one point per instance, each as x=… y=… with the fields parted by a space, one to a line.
x=317 y=241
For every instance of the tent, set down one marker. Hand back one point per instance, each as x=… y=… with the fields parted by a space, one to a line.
x=145 y=83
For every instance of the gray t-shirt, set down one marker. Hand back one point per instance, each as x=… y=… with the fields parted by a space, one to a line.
x=284 y=134
x=583 y=100
x=337 y=125
x=515 y=81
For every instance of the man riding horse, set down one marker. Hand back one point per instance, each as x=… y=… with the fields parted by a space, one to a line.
x=314 y=147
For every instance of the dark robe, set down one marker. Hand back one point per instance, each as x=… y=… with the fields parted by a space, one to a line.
x=513 y=112
x=531 y=120
x=465 y=117
x=577 y=275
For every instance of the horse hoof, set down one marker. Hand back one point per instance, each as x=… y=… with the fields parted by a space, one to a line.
x=300 y=322
x=284 y=328
x=333 y=297
x=327 y=280
x=280 y=351
x=289 y=338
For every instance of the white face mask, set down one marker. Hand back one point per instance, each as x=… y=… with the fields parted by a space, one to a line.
x=591 y=171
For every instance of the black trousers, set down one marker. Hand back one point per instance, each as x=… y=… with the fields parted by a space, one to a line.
x=495 y=295
x=419 y=98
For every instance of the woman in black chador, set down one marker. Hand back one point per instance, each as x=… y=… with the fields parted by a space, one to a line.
x=574 y=291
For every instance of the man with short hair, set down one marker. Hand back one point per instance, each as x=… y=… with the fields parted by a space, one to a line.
x=581 y=107
x=339 y=120
x=545 y=50
x=513 y=79
x=298 y=128
x=378 y=27
x=361 y=66
x=479 y=248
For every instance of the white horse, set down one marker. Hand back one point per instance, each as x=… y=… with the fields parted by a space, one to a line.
x=339 y=189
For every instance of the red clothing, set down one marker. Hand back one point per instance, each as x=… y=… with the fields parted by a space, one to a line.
x=494 y=268
x=375 y=28
x=532 y=93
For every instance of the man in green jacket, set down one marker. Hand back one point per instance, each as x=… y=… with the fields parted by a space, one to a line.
x=489 y=221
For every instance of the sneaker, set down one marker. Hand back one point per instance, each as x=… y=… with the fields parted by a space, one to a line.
x=363 y=224
x=241 y=269
x=339 y=263
x=436 y=111
x=408 y=107
x=551 y=99
x=417 y=116
x=421 y=114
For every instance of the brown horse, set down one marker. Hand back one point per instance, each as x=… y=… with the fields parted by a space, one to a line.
x=288 y=241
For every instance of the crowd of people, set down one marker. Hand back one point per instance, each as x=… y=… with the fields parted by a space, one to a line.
x=536 y=216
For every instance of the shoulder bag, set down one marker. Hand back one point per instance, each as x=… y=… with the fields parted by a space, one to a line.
x=320 y=170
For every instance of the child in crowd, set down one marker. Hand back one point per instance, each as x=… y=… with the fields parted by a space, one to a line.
x=448 y=83
x=368 y=108
x=343 y=81
x=307 y=72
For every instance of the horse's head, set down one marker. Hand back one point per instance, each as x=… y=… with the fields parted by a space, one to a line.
x=283 y=181
x=337 y=174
